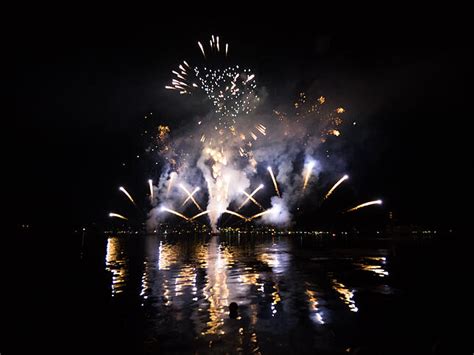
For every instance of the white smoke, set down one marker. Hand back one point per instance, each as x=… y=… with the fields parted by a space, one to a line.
x=225 y=182
x=289 y=146
x=278 y=214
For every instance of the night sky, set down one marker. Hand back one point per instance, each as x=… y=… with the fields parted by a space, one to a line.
x=83 y=87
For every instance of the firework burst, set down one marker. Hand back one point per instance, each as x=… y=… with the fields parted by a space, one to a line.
x=222 y=155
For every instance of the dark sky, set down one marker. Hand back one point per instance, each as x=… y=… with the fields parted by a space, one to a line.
x=82 y=88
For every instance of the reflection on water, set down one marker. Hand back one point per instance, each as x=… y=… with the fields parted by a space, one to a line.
x=185 y=286
x=345 y=294
x=374 y=264
x=216 y=290
x=116 y=261
x=315 y=313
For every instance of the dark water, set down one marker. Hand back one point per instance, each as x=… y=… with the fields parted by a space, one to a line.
x=294 y=295
x=171 y=294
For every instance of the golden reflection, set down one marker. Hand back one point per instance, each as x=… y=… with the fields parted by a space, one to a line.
x=276 y=259
x=275 y=298
x=167 y=256
x=186 y=277
x=345 y=294
x=147 y=268
x=375 y=268
x=254 y=342
x=216 y=291
x=249 y=279
x=117 y=263
x=313 y=306
x=202 y=254
x=269 y=259
x=166 y=292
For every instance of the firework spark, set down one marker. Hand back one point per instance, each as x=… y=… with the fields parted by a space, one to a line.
x=116 y=215
x=274 y=181
x=259 y=214
x=251 y=198
x=121 y=188
x=362 y=205
x=340 y=181
x=202 y=49
x=259 y=127
x=150 y=184
x=175 y=213
x=199 y=215
x=190 y=196
x=231 y=90
x=236 y=214
x=309 y=169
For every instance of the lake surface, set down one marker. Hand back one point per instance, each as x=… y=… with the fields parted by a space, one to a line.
x=158 y=294
x=294 y=295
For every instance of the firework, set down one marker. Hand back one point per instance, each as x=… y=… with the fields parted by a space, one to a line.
x=274 y=181
x=202 y=49
x=175 y=213
x=150 y=184
x=259 y=127
x=199 y=215
x=341 y=180
x=236 y=214
x=116 y=215
x=362 y=205
x=190 y=196
x=230 y=142
x=121 y=188
x=259 y=215
x=309 y=168
x=250 y=197
x=231 y=90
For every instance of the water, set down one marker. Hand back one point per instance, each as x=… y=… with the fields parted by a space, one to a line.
x=133 y=294
x=294 y=295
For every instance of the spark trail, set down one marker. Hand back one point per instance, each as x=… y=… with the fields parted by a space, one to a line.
x=251 y=198
x=362 y=205
x=259 y=215
x=116 y=215
x=175 y=213
x=150 y=185
x=121 y=188
x=190 y=196
x=339 y=182
x=274 y=181
x=309 y=169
